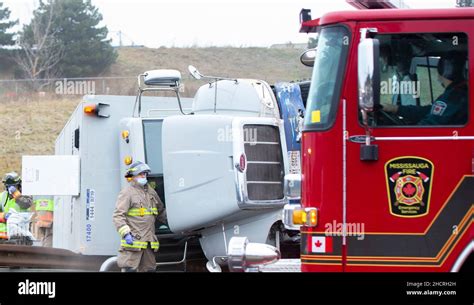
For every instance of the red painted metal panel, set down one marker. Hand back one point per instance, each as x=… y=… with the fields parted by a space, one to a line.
x=367 y=192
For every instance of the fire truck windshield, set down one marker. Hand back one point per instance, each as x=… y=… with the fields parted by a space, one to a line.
x=326 y=81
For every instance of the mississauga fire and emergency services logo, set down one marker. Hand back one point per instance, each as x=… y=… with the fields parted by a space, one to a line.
x=409 y=181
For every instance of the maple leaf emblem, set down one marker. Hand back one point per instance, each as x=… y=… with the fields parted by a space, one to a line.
x=409 y=190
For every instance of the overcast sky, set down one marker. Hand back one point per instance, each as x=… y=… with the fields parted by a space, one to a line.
x=184 y=23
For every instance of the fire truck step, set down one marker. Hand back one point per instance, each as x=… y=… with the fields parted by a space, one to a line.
x=283 y=265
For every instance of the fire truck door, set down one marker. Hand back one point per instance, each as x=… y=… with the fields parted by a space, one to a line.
x=410 y=207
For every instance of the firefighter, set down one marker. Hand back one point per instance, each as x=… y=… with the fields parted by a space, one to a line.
x=137 y=208
x=12 y=198
x=450 y=108
x=43 y=221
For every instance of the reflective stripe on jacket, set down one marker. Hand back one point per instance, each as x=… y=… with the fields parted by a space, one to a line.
x=142 y=212
x=155 y=245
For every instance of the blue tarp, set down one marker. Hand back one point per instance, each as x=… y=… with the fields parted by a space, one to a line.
x=289 y=99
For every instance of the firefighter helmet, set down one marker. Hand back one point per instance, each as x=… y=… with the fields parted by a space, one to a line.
x=11 y=179
x=137 y=168
x=452 y=66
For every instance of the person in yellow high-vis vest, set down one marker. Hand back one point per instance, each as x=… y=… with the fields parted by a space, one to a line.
x=43 y=220
x=12 y=198
x=138 y=206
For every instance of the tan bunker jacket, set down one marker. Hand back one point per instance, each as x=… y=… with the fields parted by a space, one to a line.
x=136 y=210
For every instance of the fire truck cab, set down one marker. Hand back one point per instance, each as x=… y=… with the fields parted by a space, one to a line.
x=387 y=149
x=388 y=142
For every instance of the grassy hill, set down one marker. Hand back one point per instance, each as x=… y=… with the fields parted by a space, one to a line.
x=32 y=123
x=30 y=127
x=271 y=65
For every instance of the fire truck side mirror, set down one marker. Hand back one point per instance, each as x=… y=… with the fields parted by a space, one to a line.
x=368 y=74
x=308 y=57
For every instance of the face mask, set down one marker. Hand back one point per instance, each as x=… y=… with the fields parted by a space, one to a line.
x=141 y=181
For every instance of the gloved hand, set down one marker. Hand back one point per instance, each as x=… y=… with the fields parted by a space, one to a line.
x=11 y=189
x=128 y=238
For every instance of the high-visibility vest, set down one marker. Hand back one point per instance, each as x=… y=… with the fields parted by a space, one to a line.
x=3 y=230
x=44 y=211
x=44 y=205
x=6 y=204
x=3 y=225
x=9 y=203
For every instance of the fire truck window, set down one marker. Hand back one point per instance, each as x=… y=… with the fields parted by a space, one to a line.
x=423 y=80
x=327 y=78
x=423 y=72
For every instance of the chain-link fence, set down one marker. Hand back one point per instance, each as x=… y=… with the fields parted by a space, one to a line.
x=69 y=87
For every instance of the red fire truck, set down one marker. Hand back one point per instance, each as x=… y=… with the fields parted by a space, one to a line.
x=387 y=179
x=388 y=145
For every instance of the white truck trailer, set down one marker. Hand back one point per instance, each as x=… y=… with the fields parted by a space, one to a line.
x=218 y=163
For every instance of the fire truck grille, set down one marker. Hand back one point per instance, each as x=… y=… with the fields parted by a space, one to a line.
x=265 y=170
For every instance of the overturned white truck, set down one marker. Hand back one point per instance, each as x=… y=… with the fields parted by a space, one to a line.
x=218 y=163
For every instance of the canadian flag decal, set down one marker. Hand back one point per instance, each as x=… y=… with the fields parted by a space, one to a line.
x=321 y=244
